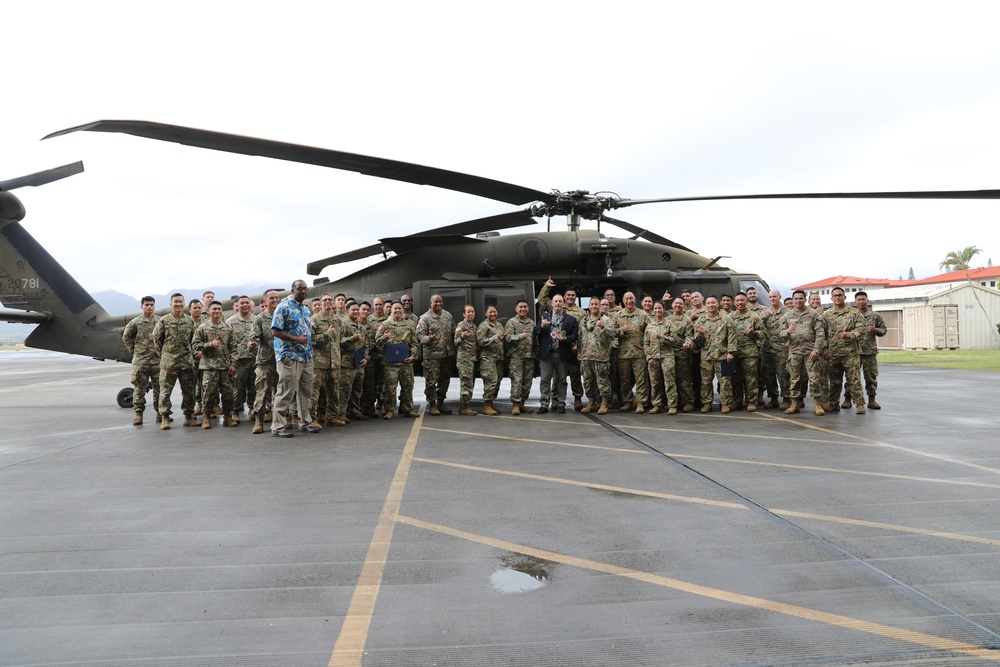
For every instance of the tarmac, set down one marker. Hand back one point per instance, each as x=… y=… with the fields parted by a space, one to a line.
x=557 y=539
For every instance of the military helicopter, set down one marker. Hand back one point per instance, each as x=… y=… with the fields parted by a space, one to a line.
x=466 y=262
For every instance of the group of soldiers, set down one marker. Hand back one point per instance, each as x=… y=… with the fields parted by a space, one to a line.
x=353 y=361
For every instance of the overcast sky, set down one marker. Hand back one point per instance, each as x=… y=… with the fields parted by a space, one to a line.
x=643 y=99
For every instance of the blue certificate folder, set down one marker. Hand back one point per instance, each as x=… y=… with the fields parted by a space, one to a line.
x=359 y=356
x=396 y=353
x=728 y=367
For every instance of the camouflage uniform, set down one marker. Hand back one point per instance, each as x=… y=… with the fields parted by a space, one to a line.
x=374 y=371
x=215 y=363
x=198 y=398
x=596 y=336
x=631 y=357
x=573 y=368
x=326 y=365
x=759 y=310
x=661 y=340
x=745 y=389
x=822 y=365
x=682 y=359
x=398 y=373
x=243 y=383
x=490 y=339
x=869 y=351
x=137 y=337
x=467 y=350
x=845 y=353
x=349 y=374
x=718 y=341
x=809 y=337
x=266 y=372
x=774 y=353
x=172 y=337
x=521 y=353
x=436 y=354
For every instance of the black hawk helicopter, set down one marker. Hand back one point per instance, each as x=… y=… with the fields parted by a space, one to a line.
x=467 y=262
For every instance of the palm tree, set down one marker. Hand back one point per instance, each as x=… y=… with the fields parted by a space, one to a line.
x=960 y=260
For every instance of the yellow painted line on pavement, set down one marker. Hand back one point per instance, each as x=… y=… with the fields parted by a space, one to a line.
x=844 y=471
x=588 y=485
x=868 y=442
x=716 y=503
x=350 y=645
x=543 y=442
x=868 y=627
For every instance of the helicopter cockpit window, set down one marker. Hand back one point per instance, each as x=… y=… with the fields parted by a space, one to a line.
x=761 y=288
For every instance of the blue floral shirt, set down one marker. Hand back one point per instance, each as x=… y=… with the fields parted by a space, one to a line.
x=292 y=317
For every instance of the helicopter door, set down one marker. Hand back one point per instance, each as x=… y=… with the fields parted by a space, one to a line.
x=504 y=297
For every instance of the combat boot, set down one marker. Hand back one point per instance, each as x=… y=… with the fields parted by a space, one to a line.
x=578 y=403
x=707 y=407
x=159 y=417
x=411 y=415
x=206 y=422
x=333 y=421
x=688 y=407
x=165 y=424
x=258 y=426
x=444 y=409
x=235 y=416
x=627 y=406
x=818 y=408
x=189 y=419
x=466 y=410
x=603 y=410
x=771 y=405
x=829 y=407
x=639 y=409
x=516 y=410
x=847 y=403
x=137 y=421
x=433 y=409
x=793 y=407
x=525 y=409
x=488 y=408
x=860 y=409
x=388 y=415
x=751 y=407
x=655 y=410
x=672 y=411
x=269 y=417
x=197 y=409
x=228 y=420
x=872 y=404
x=359 y=416
x=588 y=408
x=725 y=409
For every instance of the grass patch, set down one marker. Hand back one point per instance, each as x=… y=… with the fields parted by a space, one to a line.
x=968 y=360
x=16 y=347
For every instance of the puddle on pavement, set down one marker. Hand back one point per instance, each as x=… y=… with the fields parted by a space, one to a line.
x=520 y=574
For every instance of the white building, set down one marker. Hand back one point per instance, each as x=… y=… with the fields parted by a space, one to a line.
x=957 y=315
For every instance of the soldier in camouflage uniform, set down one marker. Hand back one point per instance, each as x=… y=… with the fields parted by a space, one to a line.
x=520 y=334
x=749 y=335
x=570 y=308
x=802 y=328
x=356 y=406
x=327 y=327
x=243 y=382
x=399 y=330
x=196 y=310
x=489 y=335
x=266 y=371
x=754 y=305
x=630 y=323
x=467 y=350
x=774 y=353
x=597 y=332
x=874 y=326
x=715 y=335
x=137 y=337
x=844 y=328
x=172 y=336
x=371 y=396
x=352 y=339
x=217 y=341
x=682 y=355
x=434 y=330
x=696 y=310
x=662 y=337
x=823 y=390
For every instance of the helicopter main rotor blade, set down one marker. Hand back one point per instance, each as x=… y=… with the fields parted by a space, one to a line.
x=363 y=164
x=479 y=225
x=928 y=194
x=652 y=237
x=42 y=177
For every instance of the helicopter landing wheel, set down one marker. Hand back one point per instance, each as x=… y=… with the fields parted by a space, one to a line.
x=125 y=397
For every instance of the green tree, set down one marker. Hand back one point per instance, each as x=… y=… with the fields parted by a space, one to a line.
x=960 y=260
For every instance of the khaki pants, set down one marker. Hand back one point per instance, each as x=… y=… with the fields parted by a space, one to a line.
x=295 y=382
